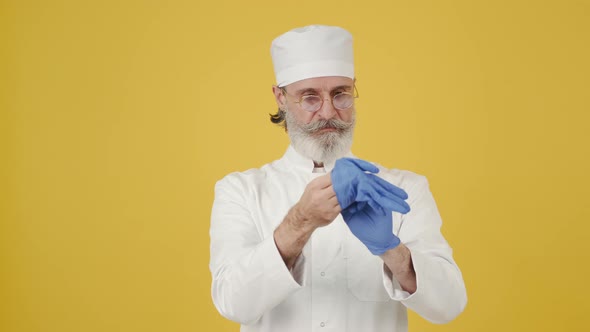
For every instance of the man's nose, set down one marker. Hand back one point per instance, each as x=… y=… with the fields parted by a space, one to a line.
x=327 y=111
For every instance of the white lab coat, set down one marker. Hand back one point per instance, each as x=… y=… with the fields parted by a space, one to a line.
x=336 y=284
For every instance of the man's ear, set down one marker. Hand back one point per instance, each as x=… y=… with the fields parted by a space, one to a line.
x=279 y=97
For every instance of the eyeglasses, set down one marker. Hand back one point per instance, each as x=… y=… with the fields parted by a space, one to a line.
x=312 y=103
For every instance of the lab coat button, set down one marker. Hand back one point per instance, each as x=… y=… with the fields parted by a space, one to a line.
x=323 y=274
x=322 y=324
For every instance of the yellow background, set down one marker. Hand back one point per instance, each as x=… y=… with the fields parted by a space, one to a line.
x=117 y=118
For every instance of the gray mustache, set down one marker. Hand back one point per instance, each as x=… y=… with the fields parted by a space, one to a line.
x=323 y=124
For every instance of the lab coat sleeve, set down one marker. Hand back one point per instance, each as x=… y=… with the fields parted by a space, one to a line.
x=440 y=295
x=248 y=272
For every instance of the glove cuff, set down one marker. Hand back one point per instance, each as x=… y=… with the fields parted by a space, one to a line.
x=378 y=251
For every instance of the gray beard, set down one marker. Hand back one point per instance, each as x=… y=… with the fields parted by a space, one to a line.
x=326 y=147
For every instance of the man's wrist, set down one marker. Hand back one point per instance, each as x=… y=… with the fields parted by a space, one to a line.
x=398 y=260
x=291 y=236
x=298 y=222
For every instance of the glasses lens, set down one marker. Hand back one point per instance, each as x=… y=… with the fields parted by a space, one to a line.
x=311 y=103
x=343 y=101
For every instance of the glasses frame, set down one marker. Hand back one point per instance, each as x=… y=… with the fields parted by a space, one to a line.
x=354 y=94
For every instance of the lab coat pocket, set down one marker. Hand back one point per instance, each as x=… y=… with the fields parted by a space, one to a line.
x=364 y=272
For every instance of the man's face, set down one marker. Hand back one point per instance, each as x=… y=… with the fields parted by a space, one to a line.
x=326 y=134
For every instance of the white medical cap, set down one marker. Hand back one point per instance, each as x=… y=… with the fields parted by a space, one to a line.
x=312 y=51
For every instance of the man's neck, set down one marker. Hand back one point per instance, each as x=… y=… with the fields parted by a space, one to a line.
x=318 y=167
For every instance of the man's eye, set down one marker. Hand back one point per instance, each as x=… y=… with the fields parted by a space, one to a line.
x=309 y=96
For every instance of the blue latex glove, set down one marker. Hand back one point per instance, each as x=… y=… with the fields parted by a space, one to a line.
x=353 y=185
x=371 y=227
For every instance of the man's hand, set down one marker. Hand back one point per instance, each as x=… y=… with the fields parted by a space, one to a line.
x=367 y=202
x=317 y=207
x=373 y=229
x=354 y=181
x=376 y=232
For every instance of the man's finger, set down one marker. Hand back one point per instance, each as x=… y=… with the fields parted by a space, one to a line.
x=392 y=204
x=364 y=166
x=382 y=186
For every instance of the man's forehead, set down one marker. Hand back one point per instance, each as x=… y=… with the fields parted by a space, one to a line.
x=321 y=83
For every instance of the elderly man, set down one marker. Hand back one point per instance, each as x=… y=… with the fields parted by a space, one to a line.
x=319 y=240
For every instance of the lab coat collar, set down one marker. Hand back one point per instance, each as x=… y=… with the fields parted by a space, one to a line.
x=295 y=160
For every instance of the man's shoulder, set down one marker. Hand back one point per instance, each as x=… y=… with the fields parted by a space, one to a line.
x=249 y=176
